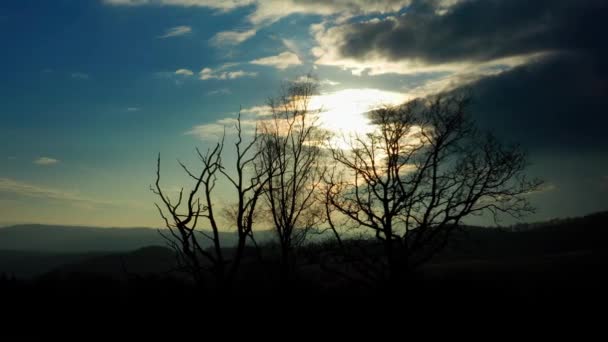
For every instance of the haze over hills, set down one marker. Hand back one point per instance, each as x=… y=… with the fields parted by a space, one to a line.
x=587 y=233
x=74 y=239
x=552 y=235
x=31 y=250
x=28 y=250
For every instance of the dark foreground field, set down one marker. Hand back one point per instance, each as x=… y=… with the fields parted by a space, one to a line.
x=558 y=261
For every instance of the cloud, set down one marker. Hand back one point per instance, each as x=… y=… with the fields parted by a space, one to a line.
x=224 y=5
x=217 y=92
x=291 y=45
x=176 y=31
x=326 y=82
x=44 y=161
x=536 y=69
x=213 y=131
x=257 y=110
x=14 y=187
x=281 y=61
x=329 y=82
x=429 y=37
x=270 y=11
x=339 y=111
x=207 y=132
x=220 y=73
x=133 y=109
x=470 y=74
x=307 y=79
x=554 y=104
x=209 y=74
x=267 y=12
x=232 y=37
x=239 y=73
x=80 y=75
x=545 y=188
x=184 y=72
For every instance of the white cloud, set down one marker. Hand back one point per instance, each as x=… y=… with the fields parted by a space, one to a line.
x=239 y=73
x=207 y=132
x=267 y=12
x=443 y=6
x=19 y=188
x=133 y=109
x=208 y=74
x=8 y=185
x=257 y=110
x=329 y=82
x=80 y=75
x=176 y=31
x=291 y=45
x=232 y=37
x=326 y=82
x=184 y=72
x=44 y=161
x=213 y=131
x=281 y=61
x=220 y=73
x=224 y=5
x=270 y=11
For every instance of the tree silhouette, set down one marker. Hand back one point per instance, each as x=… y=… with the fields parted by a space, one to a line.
x=290 y=151
x=422 y=170
x=410 y=183
x=182 y=216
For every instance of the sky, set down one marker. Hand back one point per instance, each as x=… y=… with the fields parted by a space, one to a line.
x=92 y=90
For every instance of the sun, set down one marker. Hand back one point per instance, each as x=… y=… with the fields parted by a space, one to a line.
x=343 y=111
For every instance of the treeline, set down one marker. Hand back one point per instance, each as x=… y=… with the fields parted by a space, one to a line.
x=408 y=184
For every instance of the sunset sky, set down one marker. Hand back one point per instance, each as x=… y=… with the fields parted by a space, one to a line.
x=92 y=90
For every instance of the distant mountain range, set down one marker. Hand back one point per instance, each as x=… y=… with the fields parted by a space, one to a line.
x=31 y=250
x=73 y=239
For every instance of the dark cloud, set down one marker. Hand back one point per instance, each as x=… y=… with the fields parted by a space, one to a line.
x=479 y=30
x=557 y=104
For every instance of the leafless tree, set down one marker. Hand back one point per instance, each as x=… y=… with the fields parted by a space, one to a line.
x=290 y=158
x=182 y=216
x=422 y=170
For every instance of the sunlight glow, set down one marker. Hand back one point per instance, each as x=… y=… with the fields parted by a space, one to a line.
x=343 y=111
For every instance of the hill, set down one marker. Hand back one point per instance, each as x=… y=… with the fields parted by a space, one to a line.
x=32 y=250
x=587 y=233
x=74 y=239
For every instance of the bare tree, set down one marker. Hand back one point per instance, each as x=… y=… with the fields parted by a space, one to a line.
x=290 y=158
x=423 y=169
x=183 y=215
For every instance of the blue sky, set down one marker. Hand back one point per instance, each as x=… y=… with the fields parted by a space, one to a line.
x=92 y=90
